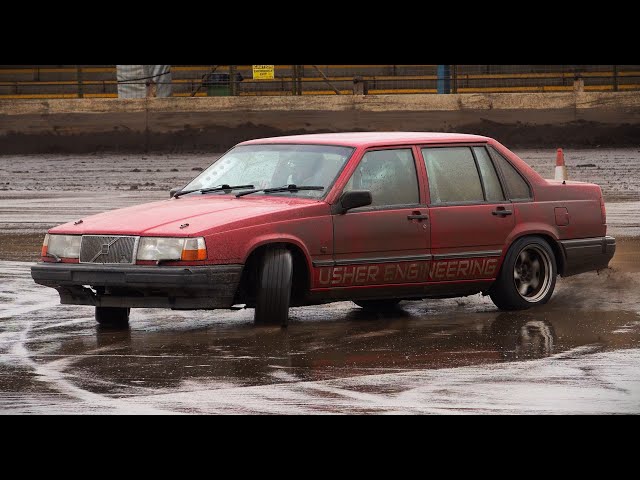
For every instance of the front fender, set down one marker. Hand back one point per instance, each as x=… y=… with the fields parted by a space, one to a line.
x=313 y=236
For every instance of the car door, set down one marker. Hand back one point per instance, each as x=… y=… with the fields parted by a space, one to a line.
x=388 y=241
x=470 y=215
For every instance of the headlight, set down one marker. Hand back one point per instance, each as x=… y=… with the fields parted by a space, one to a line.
x=63 y=246
x=163 y=248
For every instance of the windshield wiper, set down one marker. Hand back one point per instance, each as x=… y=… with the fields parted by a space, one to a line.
x=286 y=188
x=221 y=188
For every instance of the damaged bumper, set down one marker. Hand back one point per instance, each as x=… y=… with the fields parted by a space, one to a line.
x=141 y=286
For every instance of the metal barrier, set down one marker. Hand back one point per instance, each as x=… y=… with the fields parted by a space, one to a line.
x=99 y=81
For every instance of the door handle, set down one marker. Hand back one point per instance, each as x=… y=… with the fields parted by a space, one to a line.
x=501 y=212
x=418 y=216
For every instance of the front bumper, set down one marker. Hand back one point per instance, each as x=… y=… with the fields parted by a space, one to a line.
x=587 y=254
x=141 y=286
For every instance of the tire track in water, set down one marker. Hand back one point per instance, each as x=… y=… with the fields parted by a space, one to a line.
x=16 y=352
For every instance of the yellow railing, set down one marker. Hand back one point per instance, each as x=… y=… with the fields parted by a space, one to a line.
x=99 y=81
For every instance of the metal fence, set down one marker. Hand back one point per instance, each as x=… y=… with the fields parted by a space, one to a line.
x=95 y=81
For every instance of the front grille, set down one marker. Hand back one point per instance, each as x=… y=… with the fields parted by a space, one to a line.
x=104 y=249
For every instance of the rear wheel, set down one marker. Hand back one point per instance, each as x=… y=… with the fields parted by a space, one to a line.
x=378 y=305
x=527 y=277
x=112 y=316
x=274 y=288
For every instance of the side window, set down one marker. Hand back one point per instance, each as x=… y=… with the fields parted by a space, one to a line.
x=492 y=188
x=517 y=186
x=453 y=176
x=390 y=175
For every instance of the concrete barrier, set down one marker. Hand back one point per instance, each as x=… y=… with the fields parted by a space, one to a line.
x=216 y=123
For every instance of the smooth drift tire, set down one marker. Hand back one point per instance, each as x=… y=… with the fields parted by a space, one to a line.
x=527 y=277
x=377 y=305
x=274 y=288
x=113 y=316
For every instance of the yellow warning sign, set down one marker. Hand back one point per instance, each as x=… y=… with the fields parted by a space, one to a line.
x=263 y=72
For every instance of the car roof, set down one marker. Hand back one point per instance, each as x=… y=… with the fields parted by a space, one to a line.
x=367 y=139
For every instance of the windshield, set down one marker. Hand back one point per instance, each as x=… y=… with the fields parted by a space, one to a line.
x=270 y=166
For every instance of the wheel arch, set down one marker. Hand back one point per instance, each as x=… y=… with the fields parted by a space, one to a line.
x=302 y=268
x=547 y=235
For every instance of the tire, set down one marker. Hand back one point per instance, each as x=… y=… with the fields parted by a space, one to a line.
x=377 y=305
x=527 y=277
x=113 y=316
x=274 y=288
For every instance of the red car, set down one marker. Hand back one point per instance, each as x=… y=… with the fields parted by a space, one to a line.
x=375 y=218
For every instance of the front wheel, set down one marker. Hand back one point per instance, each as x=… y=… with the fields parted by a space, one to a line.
x=527 y=277
x=274 y=288
x=113 y=316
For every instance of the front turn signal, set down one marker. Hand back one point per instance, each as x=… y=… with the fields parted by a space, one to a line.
x=45 y=246
x=194 y=249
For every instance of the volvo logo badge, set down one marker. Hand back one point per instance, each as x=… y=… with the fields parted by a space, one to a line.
x=104 y=251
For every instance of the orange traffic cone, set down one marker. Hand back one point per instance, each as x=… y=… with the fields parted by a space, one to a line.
x=561 y=169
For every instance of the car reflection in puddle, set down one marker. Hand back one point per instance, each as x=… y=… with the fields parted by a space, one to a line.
x=357 y=344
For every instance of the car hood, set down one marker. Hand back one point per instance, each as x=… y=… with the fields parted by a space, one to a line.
x=189 y=216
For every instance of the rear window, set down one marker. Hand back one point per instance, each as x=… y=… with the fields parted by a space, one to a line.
x=517 y=186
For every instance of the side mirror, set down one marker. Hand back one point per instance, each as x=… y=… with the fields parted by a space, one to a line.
x=173 y=191
x=353 y=199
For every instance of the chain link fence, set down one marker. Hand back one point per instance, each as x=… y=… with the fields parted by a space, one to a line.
x=97 y=81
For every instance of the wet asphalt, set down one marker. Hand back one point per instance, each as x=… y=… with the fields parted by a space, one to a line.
x=578 y=354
